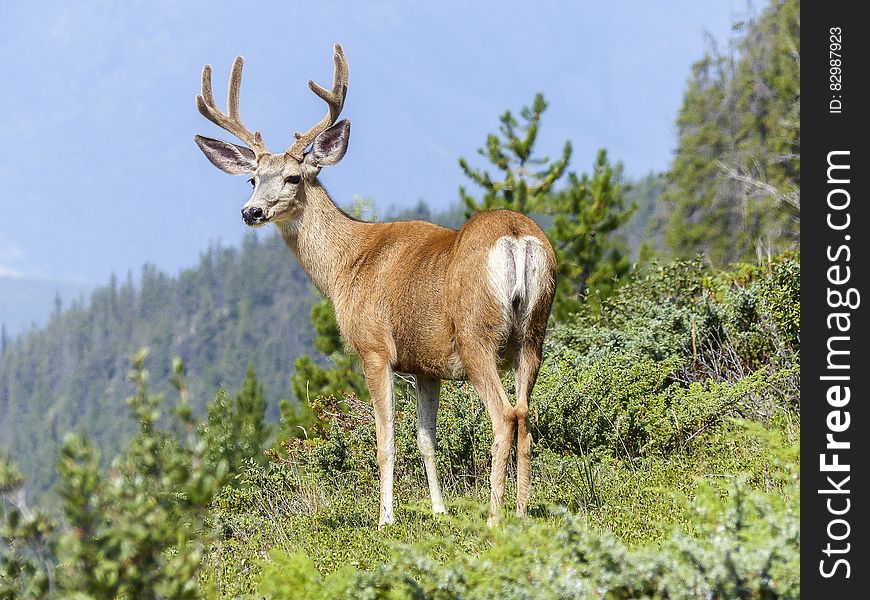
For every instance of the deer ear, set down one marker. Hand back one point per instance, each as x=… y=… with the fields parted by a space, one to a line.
x=229 y=158
x=329 y=147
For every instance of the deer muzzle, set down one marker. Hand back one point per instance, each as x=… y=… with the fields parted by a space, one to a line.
x=252 y=215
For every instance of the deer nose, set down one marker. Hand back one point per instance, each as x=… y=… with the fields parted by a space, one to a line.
x=251 y=215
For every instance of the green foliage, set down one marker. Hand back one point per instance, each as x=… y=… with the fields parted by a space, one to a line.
x=235 y=430
x=344 y=374
x=133 y=530
x=720 y=514
x=726 y=324
x=584 y=214
x=775 y=288
x=523 y=188
x=734 y=190
x=604 y=408
x=10 y=477
x=27 y=541
x=745 y=546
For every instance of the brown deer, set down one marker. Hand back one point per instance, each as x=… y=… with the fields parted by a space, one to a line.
x=409 y=296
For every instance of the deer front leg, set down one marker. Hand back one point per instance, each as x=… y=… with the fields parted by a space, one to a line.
x=428 y=390
x=379 y=378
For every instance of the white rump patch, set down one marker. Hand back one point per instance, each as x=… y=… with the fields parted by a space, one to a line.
x=515 y=268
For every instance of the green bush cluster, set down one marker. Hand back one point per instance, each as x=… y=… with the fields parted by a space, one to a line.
x=728 y=323
x=133 y=530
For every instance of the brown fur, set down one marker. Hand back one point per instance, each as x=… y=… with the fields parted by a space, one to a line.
x=409 y=296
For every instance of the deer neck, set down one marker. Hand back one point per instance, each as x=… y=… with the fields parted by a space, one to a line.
x=322 y=237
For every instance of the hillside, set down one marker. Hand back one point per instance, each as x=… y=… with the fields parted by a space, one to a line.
x=665 y=465
x=666 y=417
x=237 y=306
x=667 y=428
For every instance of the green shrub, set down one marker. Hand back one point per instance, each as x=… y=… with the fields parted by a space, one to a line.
x=235 y=429
x=724 y=325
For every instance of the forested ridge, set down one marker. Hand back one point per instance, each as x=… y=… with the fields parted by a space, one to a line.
x=237 y=306
x=666 y=417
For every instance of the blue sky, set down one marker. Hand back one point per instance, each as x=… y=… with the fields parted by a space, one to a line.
x=99 y=172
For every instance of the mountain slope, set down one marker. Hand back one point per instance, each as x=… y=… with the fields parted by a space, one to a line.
x=238 y=306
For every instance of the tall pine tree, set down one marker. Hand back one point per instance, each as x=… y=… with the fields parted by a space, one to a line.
x=522 y=188
x=734 y=185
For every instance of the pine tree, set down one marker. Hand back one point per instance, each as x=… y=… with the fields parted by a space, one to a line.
x=585 y=214
x=522 y=187
x=344 y=374
x=253 y=432
x=235 y=430
x=135 y=529
x=734 y=185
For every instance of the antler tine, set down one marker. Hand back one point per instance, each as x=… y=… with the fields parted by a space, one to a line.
x=233 y=89
x=334 y=99
x=231 y=121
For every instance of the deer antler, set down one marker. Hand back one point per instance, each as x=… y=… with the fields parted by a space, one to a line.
x=334 y=99
x=230 y=121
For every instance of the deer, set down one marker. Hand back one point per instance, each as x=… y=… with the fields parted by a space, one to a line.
x=409 y=296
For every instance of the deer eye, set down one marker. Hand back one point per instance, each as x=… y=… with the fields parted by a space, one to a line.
x=251 y=181
x=294 y=179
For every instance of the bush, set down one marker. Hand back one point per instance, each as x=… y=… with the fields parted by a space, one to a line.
x=724 y=325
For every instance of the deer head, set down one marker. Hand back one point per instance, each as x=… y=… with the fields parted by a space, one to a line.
x=279 y=180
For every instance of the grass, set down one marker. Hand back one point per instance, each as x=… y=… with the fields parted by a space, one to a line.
x=640 y=502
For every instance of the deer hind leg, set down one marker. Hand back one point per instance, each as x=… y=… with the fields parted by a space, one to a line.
x=528 y=362
x=428 y=390
x=533 y=294
x=379 y=378
x=483 y=373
